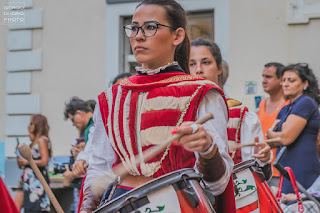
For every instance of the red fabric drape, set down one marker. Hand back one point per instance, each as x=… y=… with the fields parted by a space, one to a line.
x=6 y=203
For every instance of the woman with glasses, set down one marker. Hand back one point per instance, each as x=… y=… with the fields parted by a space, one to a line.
x=298 y=125
x=35 y=198
x=161 y=99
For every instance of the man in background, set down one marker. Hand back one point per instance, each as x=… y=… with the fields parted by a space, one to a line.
x=80 y=113
x=270 y=107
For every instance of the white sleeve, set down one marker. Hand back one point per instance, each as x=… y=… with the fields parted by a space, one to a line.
x=85 y=154
x=103 y=156
x=251 y=128
x=217 y=128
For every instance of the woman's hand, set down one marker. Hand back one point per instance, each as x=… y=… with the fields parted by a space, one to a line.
x=198 y=141
x=22 y=162
x=210 y=164
x=275 y=124
x=261 y=150
x=270 y=132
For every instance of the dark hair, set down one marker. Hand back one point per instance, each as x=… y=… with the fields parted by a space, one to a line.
x=75 y=104
x=41 y=128
x=278 y=67
x=224 y=73
x=212 y=46
x=306 y=74
x=121 y=75
x=216 y=53
x=176 y=16
x=91 y=103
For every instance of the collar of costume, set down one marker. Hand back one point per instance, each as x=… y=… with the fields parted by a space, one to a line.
x=162 y=69
x=144 y=83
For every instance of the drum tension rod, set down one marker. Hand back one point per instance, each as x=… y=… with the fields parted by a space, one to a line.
x=208 y=193
x=133 y=205
x=190 y=193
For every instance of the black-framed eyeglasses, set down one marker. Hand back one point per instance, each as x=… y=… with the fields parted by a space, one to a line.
x=148 y=29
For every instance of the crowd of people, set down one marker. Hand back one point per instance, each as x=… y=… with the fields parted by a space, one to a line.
x=179 y=82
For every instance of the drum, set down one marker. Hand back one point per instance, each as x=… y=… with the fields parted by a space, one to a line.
x=178 y=191
x=252 y=193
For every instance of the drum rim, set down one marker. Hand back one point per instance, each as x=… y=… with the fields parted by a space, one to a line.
x=150 y=187
x=243 y=165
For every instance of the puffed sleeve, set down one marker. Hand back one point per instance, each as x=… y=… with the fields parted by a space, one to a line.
x=217 y=128
x=102 y=156
x=251 y=128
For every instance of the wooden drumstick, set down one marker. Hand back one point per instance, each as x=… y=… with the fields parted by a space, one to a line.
x=234 y=147
x=121 y=171
x=155 y=150
x=25 y=152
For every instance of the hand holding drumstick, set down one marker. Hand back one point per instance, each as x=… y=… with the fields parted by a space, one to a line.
x=121 y=171
x=262 y=148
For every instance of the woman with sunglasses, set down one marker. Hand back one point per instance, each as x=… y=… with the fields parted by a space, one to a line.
x=298 y=125
x=162 y=98
x=35 y=198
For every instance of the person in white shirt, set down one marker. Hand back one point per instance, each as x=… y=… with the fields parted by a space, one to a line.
x=243 y=127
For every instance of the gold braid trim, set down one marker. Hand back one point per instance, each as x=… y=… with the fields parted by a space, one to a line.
x=184 y=112
x=176 y=78
x=237 y=132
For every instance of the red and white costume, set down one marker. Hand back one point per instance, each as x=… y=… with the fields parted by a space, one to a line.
x=243 y=127
x=132 y=117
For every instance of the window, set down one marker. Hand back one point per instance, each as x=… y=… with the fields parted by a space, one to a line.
x=201 y=24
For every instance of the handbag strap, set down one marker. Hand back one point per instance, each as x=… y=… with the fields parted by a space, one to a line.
x=294 y=186
x=279 y=196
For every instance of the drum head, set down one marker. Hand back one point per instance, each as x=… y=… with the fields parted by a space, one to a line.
x=139 y=196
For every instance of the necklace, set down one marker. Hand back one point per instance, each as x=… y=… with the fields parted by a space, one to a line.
x=281 y=103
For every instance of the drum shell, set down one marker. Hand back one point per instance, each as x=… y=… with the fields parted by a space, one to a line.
x=178 y=182
x=261 y=198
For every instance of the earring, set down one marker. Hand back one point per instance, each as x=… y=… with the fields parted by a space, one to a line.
x=305 y=88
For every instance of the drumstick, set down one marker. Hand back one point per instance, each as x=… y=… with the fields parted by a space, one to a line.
x=121 y=171
x=25 y=152
x=234 y=147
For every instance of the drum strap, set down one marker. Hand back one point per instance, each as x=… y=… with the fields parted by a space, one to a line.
x=114 y=187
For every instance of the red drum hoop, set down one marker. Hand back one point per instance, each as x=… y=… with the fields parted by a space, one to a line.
x=179 y=191
x=252 y=192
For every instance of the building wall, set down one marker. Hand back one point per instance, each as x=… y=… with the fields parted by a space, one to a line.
x=72 y=49
x=80 y=54
x=3 y=42
x=73 y=44
x=260 y=33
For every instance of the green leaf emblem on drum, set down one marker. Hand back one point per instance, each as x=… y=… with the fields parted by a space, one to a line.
x=160 y=209
x=243 y=189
